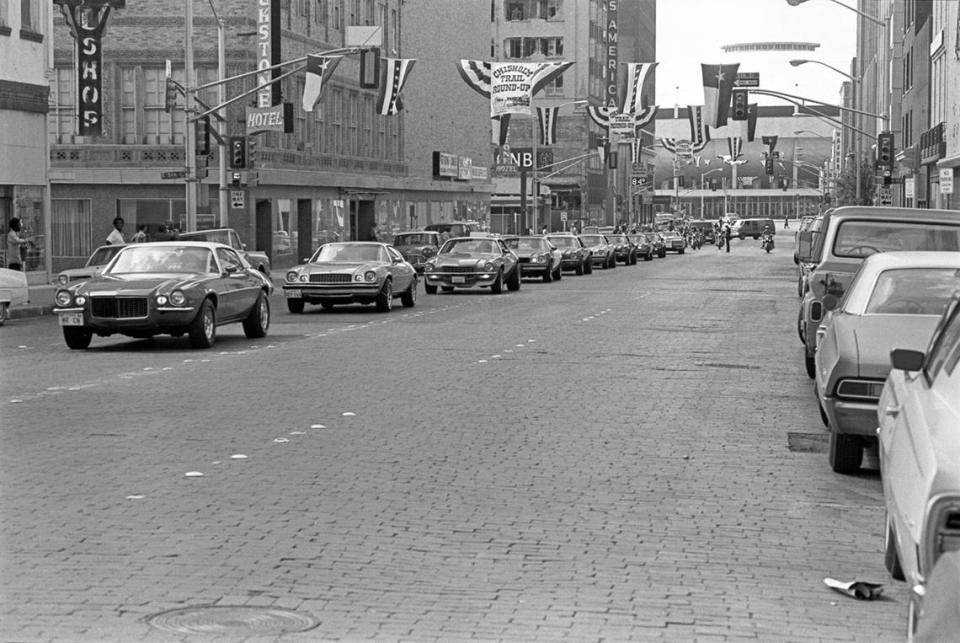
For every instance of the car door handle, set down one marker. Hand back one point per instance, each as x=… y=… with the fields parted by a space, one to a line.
x=892 y=411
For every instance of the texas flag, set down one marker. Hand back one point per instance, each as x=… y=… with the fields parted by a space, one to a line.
x=717 y=92
x=319 y=70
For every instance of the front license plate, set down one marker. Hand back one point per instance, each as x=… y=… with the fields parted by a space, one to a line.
x=292 y=293
x=71 y=319
x=458 y=280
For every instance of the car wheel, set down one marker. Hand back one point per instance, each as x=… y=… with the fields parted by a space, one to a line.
x=77 y=338
x=513 y=281
x=809 y=362
x=846 y=452
x=497 y=286
x=295 y=306
x=633 y=259
x=579 y=270
x=409 y=298
x=430 y=290
x=613 y=262
x=203 y=328
x=662 y=254
x=258 y=321
x=3 y=312
x=681 y=251
x=384 y=299
x=648 y=256
x=891 y=559
x=800 y=334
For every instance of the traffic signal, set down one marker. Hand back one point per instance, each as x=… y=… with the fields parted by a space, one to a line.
x=612 y=160
x=740 y=107
x=170 y=95
x=885 y=150
x=768 y=166
x=251 y=151
x=370 y=68
x=203 y=135
x=238 y=153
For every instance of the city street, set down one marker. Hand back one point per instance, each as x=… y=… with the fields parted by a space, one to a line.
x=634 y=454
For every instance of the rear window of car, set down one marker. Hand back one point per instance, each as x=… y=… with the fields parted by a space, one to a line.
x=592 y=238
x=913 y=291
x=414 y=240
x=864 y=238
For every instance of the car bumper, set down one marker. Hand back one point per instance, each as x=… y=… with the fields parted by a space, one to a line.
x=570 y=264
x=345 y=293
x=534 y=269
x=460 y=280
x=158 y=319
x=851 y=418
x=599 y=260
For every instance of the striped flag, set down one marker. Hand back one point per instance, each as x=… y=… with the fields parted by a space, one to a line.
x=633 y=97
x=699 y=132
x=717 y=92
x=476 y=73
x=547 y=117
x=735 y=144
x=636 y=147
x=319 y=69
x=395 y=72
x=499 y=129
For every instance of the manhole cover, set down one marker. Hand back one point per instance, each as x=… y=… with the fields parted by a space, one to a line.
x=232 y=620
x=808 y=442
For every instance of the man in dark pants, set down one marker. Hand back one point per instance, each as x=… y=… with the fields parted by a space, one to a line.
x=726 y=236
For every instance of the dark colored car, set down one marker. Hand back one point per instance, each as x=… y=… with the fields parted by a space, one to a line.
x=623 y=248
x=229 y=237
x=643 y=244
x=538 y=257
x=362 y=272
x=573 y=254
x=659 y=245
x=174 y=288
x=417 y=246
x=603 y=252
x=468 y=262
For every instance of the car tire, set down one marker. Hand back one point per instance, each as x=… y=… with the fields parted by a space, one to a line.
x=430 y=290
x=633 y=259
x=77 y=338
x=513 y=281
x=203 y=328
x=810 y=364
x=891 y=559
x=384 y=301
x=409 y=298
x=258 y=321
x=846 y=453
x=803 y=339
x=497 y=286
x=613 y=262
x=662 y=254
x=295 y=306
x=681 y=251
x=579 y=270
x=648 y=256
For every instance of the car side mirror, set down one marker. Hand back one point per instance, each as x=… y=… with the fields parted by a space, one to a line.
x=830 y=302
x=906 y=360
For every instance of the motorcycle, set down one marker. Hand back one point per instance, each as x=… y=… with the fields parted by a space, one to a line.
x=767 y=244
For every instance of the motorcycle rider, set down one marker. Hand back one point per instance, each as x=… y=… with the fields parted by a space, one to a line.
x=766 y=239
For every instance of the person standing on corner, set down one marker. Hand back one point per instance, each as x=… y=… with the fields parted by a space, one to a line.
x=727 y=233
x=14 y=245
x=115 y=238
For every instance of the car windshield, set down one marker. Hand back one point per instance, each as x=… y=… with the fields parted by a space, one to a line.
x=102 y=256
x=913 y=291
x=154 y=258
x=347 y=253
x=564 y=242
x=484 y=246
x=864 y=238
x=415 y=239
x=592 y=239
x=527 y=243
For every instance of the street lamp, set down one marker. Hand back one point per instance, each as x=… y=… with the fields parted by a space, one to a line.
x=802 y=61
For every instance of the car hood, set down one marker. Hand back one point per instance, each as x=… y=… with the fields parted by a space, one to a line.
x=464 y=258
x=341 y=266
x=877 y=335
x=529 y=252
x=139 y=284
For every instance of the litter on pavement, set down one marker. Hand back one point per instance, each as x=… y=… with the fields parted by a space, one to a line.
x=858 y=589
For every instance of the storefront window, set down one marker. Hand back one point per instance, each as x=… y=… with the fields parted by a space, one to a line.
x=151 y=213
x=72 y=228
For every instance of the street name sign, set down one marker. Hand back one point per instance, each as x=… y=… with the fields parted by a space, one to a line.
x=747 y=79
x=176 y=174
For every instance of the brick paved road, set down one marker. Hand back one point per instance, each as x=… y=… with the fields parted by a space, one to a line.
x=601 y=459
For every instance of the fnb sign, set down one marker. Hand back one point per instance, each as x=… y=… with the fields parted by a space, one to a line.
x=522 y=158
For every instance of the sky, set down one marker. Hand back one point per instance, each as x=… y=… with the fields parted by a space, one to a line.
x=691 y=32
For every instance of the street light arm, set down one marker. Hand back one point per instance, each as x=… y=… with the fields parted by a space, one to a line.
x=795 y=100
x=570 y=163
x=797 y=63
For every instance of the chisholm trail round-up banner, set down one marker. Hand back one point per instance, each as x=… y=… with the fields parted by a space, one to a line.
x=512 y=85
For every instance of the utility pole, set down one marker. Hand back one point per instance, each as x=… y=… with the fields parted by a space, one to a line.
x=190 y=130
x=222 y=146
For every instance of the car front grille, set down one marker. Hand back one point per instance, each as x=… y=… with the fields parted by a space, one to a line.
x=458 y=269
x=119 y=307
x=413 y=258
x=331 y=278
x=524 y=259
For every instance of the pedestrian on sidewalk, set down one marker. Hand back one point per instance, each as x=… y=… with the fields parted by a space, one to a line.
x=15 y=245
x=140 y=236
x=727 y=233
x=115 y=238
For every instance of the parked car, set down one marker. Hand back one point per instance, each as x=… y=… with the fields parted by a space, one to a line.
x=362 y=272
x=603 y=253
x=674 y=241
x=174 y=288
x=13 y=291
x=918 y=414
x=623 y=248
x=802 y=226
x=895 y=299
x=229 y=237
x=850 y=234
x=538 y=257
x=574 y=255
x=807 y=245
x=743 y=228
x=417 y=246
x=95 y=263
x=454 y=228
x=467 y=262
x=643 y=244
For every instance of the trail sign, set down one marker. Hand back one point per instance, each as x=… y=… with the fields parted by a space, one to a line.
x=747 y=79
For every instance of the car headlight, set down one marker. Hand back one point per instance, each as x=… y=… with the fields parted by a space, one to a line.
x=370 y=276
x=80 y=300
x=63 y=298
x=292 y=275
x=177 y=298
x=428 y=252
x=429 y=266
x=161 y=300
x=63 y=280
x=487 y=267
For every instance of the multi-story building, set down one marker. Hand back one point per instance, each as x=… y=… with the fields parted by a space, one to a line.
x=600 y=36
x=342 y=168
x=945 y=101
x=24 y=191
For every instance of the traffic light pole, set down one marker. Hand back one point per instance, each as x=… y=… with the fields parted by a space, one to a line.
x=191 y=182
x=222 y=144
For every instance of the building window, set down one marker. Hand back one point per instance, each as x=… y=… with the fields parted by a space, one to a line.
x=351 y=144
x=517 y=10
x=354 y=12
x=62 y=118
x=335 y=144
x=72 y=234
x=28 y=15
x=522 y=48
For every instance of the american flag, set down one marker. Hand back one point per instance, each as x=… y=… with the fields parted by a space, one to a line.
x=395 y=73
x=547 y=117
x=636 y=74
